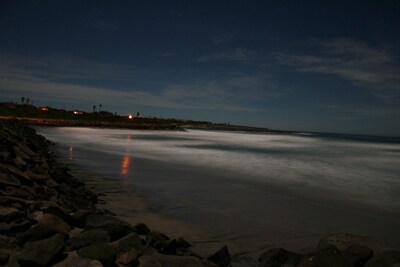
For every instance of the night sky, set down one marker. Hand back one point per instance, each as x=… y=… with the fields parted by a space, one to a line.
x=327 y=66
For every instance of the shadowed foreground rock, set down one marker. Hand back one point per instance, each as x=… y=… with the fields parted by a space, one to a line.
x=49 y=218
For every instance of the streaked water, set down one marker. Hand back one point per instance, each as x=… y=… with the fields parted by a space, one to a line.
x=273 y=187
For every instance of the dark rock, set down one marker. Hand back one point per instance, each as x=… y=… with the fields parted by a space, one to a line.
x=182 y=243
x=222 y=257
x=10 y=214
x=129 y=258
x=141 y=229
x=88 y=237
x=358 y=255
x=355 y=248
x=155 y=238
x=74 y=260
x=19 y=225
x=105 y=212
x=22 y=177
x=8 y=200
x=277 y=257
x=37 y=232
x=328 y=257
x=55 y=222
x=7 y=246
x=115 y=227
x=389 y=258
x=43 y=252
x=128 y=242
x=79 y=217
x=8 y=179
x=169 y=260
x=101 y=252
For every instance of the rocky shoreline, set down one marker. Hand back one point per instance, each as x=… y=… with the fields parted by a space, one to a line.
x=49 y=218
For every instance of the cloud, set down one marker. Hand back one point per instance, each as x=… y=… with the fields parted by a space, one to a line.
x=364 y=65
x=64 y=80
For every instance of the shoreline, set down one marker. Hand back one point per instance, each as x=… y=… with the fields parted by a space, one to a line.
x=62 y=226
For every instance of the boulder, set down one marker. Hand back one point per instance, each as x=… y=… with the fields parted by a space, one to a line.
x=327 y=257
x=73 y=260
x=141 y=229
x=88 y=237
x=222 y=257
x=43 y=252
x=390 y=258
x=102 y=252
x=128 y=258
x=157 y=259
x=115 y=227
x=37 y=232
x=10 y=214
x=55 y=222
x=19 y=225
x=79 y=217
x=7 y=246
x=8 y=179
x=128 y=242
x=278 y=257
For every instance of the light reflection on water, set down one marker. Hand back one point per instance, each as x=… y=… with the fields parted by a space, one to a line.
x=70 y=155
x=125 y=164
x=126 y=159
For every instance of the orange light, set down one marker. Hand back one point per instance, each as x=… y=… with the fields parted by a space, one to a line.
x=130 y=116
x=44 y=108
x=125 y=164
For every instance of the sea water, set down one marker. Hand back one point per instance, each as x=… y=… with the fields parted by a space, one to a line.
x=259 y=188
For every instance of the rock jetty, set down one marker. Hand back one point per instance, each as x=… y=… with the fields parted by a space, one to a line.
x=49 y=218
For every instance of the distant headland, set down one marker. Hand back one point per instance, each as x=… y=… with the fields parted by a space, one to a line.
x=48 y=116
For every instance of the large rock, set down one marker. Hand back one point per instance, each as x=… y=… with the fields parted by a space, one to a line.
x=276 y=257
x=19 y=225
x=328 y=257
x=55 y=222
x=88 y=237
x=74 y=260
x=127 y=243
x=141 y=229
x=43 y=252
x=10 y=214
x=388 y=258
x=222 y=257
x=102 y=252
x=7 y=246
x=115 y=227
x=157 y=259
x=37 y=232
x=129 y=258
x=8 y=179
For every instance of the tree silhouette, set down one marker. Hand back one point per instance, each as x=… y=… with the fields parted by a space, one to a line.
x=22 y=100
x=94 y=108
x=100 y=106
x=28 y=100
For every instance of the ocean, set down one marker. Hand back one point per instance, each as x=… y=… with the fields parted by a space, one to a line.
x=256 y=189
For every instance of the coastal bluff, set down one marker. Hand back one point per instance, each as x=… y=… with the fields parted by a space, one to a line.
x=49 y=218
